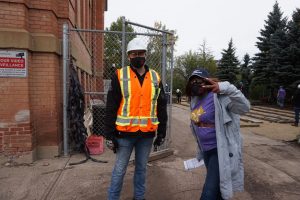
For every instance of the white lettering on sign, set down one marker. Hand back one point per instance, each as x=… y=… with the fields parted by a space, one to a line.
x=13 y=63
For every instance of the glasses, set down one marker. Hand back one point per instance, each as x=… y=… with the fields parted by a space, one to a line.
x=197 y=81
x=137 y=54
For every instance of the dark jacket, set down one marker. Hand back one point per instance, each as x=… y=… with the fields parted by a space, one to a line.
x=114 y=97
x=296 y=98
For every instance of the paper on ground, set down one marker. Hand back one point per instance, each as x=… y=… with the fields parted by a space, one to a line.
x=192 y=163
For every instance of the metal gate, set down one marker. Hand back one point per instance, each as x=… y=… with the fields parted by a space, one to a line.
x=96 y=55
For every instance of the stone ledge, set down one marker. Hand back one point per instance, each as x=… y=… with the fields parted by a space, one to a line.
x=36 y=42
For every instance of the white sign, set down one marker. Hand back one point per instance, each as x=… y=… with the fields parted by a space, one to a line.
x=13 y=63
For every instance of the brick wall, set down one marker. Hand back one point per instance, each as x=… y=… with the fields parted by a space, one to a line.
x=45 y=96
x=16 y=138
x=13 y=15
x=31 y=107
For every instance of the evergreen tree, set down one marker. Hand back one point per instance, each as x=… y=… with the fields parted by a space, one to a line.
x=274 y=23
x=293 y=39
x=228 y=67
x=271 y=59
x=245 y=71
x=279 y=68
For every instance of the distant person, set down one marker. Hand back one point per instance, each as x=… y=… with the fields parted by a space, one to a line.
x=281 y=96
x=178 y=94
x=167 y=91
x=215 y=122
x=296 y=102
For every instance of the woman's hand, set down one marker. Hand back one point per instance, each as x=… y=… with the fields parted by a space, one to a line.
x=212 y=85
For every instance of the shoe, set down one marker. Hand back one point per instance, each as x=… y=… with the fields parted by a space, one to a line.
x=295 y=124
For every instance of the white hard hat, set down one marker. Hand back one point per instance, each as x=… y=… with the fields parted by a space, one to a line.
x=136 y=44
x=177 y=90
x=298 y=86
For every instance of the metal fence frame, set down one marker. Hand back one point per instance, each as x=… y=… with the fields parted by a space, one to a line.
x=164 y=63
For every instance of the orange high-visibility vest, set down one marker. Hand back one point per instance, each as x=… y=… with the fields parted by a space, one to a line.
x=138 y=108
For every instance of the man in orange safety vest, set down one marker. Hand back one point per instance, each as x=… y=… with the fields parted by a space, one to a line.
x=136 y=112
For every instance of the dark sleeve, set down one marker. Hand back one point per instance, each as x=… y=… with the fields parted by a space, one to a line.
x=162 y=112
x=113 y=101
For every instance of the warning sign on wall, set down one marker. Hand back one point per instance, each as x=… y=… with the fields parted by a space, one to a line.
x=13 y=63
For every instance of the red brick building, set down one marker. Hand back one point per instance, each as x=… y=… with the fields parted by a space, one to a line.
x=31 y=106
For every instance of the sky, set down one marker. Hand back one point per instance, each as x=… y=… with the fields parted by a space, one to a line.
x=215 y=21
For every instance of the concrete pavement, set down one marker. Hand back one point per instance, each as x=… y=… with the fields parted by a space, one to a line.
x=271 y=172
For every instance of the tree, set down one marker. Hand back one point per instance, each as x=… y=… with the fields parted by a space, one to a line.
x=274 y=23
x=228 y=67
x=293 y=50
x=270 y=61
x=113 y=47
x=245 y=72
x=206 y=59
x=155 y=46
x=187 y=63
x=279 y=68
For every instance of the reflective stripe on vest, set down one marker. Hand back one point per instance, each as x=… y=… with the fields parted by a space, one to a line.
x=124 y=118
x=126 y=89
x=156 y=89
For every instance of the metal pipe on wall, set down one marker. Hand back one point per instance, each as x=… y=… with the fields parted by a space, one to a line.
x=65 y=86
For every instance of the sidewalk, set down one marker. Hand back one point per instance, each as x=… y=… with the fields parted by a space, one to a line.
x=54 y=179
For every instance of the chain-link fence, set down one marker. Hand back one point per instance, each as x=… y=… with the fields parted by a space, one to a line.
x=97 y=54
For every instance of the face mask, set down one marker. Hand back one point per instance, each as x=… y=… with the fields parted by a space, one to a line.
x=137 y=62
x=197 y=90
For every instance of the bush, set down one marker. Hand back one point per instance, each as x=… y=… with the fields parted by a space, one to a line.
x=258 y=92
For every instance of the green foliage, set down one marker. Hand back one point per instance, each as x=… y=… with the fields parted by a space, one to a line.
x=187 y=63
x=228 y=67
x=206 y=59
x=258 y=92
x=245 y=74
x=293 y=49
x=155 y=47
x=113 y=47
x=271 y=46
x=178 y=83
x=277 y=63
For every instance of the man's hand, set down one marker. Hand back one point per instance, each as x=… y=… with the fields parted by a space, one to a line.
x=112 y=144
x=159 y=140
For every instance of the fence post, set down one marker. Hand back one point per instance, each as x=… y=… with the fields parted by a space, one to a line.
x=65 y=84
x=164 y=60
x=123 y=40
x=171 y=89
